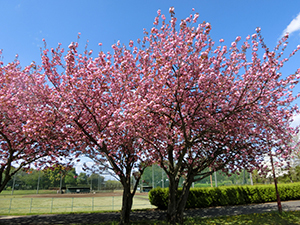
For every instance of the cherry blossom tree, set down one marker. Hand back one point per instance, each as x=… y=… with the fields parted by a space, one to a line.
x=206 y=106
x=177 y=99
x=95 y=98
x=28 y=131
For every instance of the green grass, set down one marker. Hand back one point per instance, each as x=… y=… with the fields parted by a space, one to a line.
x=273 y=218
x=21 y=206
x=18 y=205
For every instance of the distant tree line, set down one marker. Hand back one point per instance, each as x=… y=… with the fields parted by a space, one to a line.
x=54 y=178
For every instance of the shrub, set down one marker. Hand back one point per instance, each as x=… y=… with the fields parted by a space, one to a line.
x=159 y=197
x=223 y=196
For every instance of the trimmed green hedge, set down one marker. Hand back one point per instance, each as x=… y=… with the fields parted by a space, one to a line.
x=234 y=195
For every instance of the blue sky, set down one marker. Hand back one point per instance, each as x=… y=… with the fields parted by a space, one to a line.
x=25 y=23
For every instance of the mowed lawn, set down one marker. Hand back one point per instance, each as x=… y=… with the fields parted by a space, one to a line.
x=26 y=202
x=270 y=218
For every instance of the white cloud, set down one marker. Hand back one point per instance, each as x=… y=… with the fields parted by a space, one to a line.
x=89 y=163
x=296 y=121
x=293 y=26
x=280 y=169
x=79 y=165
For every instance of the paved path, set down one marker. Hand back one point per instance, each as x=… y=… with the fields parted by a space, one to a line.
x=94 y=218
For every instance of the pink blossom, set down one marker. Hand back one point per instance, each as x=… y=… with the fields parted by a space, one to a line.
x=131 y=43
x=195 y=17
x=71 y=46
x=171 y=10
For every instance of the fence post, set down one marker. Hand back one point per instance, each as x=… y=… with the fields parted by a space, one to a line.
x=93 y=204
x=216 y=181
x=112 y=202
x=9 y=206
x=38 y=183
x=51 y=206
x=251 y=179
x=13 y=187
x=72 y=204
x=30 y=205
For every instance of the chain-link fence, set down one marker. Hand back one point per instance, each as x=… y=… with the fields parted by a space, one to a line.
x=18 y=205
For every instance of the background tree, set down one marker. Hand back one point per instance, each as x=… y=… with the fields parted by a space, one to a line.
x=154 y=175
x=207 y=106
x=29 y=179
x=58 y=176
x=96 y=181
x=82 y=179
x=113 y=185
x=71 y=178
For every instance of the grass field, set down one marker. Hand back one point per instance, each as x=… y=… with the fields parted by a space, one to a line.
x=272 y=218
x=27 y=202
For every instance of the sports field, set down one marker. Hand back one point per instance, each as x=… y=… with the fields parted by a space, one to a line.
x=25 y=202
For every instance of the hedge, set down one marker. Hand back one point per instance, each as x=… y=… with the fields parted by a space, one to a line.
x=223 y=196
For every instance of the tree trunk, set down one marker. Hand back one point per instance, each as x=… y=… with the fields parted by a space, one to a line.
x=5 y=176
x=172 y=203
x=126 y=203
x=4 y=182
x=183 y=200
